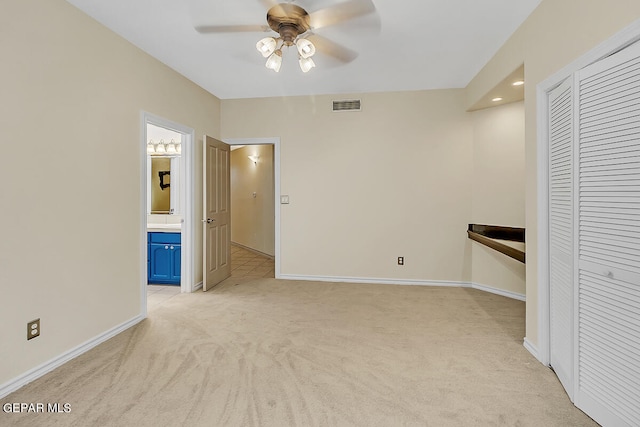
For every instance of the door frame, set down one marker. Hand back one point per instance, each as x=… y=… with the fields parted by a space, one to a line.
x=275 y=141
x=186 y=202
x=617 y=42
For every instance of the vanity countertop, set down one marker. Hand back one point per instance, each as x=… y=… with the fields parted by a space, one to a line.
x=167 y=228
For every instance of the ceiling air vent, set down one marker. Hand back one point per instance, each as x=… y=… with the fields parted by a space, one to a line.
x=347 y=105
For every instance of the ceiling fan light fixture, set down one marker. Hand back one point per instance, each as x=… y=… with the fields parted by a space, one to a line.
x=293 y=25
x=306 y=49
x=275 y=61
x=306 y=64
x=266 y=46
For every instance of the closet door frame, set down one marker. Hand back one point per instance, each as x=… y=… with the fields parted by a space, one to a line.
x=619 y=41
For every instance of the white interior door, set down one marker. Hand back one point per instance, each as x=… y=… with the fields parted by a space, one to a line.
x=607 y=362
x=216 y=201
x=561 y=234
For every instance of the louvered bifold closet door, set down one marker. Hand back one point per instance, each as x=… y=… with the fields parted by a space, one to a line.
x=608 y=300
x=561 y=233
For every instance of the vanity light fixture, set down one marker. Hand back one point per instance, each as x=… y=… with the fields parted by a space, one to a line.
x=254 y=159
x=518 y=83
x=163 y=148
x=171 y=147
x=497 y=99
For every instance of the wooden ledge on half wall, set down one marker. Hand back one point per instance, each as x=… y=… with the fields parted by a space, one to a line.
x=489 y=235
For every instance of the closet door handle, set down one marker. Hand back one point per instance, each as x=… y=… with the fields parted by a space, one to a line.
x=166 y=246
x=171 y=247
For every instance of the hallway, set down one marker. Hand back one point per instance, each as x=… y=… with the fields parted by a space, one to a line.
x=247 y=263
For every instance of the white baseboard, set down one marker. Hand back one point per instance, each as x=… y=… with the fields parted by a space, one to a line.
x=38 y=371
x=377 y=281
x=531 y=348
x=197 y=286
x=508 y=294
x=411 y=282
x=255 y=251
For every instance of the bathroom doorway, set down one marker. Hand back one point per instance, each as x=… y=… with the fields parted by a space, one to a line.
x=166 y=187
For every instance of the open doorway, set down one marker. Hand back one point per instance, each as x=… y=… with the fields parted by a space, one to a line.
x=255 y=199
x=252 y=211
x=167 y=205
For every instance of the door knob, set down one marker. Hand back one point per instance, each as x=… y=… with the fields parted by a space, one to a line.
x=209 y=220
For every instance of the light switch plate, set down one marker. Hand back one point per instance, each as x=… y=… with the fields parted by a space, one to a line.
x=284 y=199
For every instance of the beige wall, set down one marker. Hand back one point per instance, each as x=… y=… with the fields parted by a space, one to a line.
x=253 y=218
x=498 y=191
x=557 y=32
x=73 y=92
x=366 y=187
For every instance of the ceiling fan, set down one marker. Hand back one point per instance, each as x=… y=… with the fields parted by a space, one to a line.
x=296 y=27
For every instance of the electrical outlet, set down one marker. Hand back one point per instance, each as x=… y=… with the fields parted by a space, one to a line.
x=400 y=260
x=33 y=329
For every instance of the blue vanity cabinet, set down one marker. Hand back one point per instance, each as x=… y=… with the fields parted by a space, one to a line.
x=163 y=255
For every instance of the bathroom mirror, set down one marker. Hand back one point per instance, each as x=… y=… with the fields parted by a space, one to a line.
x=163 y=189
x=163 y=171
x=160 y=185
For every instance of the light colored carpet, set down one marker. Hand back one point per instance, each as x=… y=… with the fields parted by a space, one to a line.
x=265 y=352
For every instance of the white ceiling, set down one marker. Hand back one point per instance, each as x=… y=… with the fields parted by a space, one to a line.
x=408 y=45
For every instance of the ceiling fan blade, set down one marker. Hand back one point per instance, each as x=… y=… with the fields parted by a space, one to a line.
x=331 y=48
x=232 y=28
x=341 y=12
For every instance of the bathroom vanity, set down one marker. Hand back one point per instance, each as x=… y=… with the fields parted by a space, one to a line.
x=163 y=258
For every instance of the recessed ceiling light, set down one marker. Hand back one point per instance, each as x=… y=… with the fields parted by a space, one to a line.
x=518 y=83
x=496 y=99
